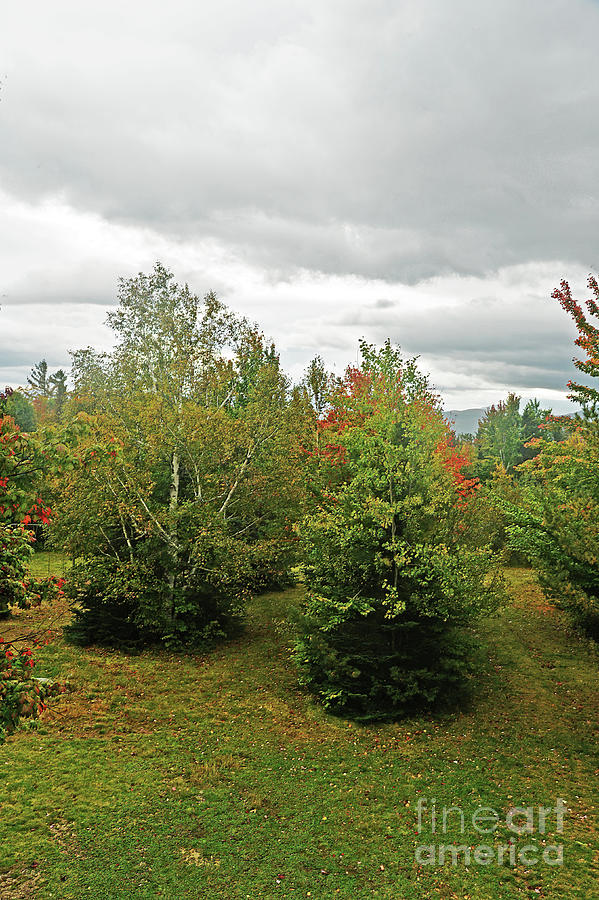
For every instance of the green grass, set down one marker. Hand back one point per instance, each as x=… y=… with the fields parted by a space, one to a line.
x=166 y=775
x=45 y=562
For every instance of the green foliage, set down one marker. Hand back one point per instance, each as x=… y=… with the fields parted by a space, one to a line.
x=19 y=693
x=122 y=603
x=27 y=462
x=39 y=380
x=390 y=587
x=500 y=435
x=587 y=340
x=318 y=385
x=22 y=696
x=17 y=588
x=556 y=524
x=15 y=550
x=21 y=410
x=105 y=599
x=486 y=523
x=189 y=478
x=507 y=437
x=367 y=661
x=58 y=383
x=48 y=393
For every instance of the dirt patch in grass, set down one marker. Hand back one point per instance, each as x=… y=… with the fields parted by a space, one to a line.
x=20 y=883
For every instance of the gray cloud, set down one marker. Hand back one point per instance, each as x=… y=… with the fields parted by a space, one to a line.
x=409 y=169
x=477 y=337
x=387 y=139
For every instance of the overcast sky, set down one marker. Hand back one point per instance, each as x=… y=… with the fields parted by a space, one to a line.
x=424 y=171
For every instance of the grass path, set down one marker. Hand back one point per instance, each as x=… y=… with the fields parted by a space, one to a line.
x=167 y=775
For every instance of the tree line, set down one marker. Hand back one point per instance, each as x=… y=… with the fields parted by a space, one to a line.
x=183 y=472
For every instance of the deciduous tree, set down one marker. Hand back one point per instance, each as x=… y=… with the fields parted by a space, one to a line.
x=557 y=523
x=190 y=474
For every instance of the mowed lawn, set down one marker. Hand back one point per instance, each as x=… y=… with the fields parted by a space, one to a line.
x=177 y=775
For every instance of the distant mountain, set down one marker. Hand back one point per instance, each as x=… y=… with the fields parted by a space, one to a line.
x=465 y=420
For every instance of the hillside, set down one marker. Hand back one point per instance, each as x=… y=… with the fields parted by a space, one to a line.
x=465 y=420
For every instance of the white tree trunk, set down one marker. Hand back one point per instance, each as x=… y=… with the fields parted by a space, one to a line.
x=174 y=544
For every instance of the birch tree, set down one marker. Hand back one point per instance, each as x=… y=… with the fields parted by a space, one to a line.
x=192 y=423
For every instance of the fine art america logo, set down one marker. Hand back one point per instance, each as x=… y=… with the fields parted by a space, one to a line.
x=518 y=849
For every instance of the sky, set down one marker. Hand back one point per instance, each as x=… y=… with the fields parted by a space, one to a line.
x=416 y=170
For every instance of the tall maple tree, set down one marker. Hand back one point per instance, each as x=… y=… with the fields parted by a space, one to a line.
x=587 y=340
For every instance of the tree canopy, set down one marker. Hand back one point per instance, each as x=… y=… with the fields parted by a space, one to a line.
x=190 y=475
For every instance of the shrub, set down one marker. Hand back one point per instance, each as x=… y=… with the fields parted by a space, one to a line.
x=21 y=694
x=123 y=604
x=42 y=590
x=557 y=525
x=369 y=658
x=15 y=550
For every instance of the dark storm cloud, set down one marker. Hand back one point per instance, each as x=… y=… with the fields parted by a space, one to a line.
x=385 y=139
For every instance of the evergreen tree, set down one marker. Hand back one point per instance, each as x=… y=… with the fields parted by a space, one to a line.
x=58 y=386
x=39 y=382
x=389 y=585
x=500 y=436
